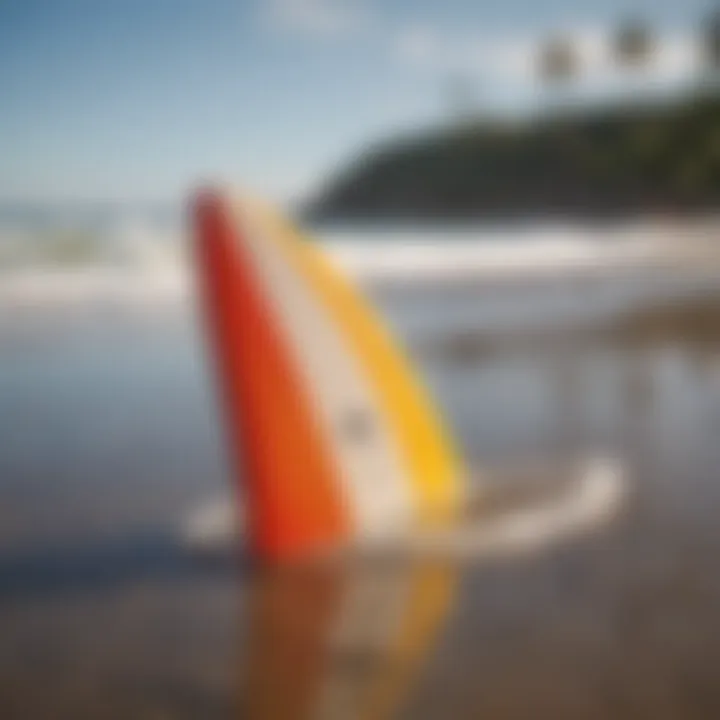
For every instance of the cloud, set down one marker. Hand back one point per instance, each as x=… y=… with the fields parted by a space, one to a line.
x=425 y=49
x=317 y=18
x=513 y=60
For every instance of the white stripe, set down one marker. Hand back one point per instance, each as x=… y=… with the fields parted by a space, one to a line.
x=349 y=414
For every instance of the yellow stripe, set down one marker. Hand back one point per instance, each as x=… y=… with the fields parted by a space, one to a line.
x=433 y=468
x=431 y=599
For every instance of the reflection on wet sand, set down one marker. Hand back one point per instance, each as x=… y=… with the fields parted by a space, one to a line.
x=343 y=641
x=692 y=320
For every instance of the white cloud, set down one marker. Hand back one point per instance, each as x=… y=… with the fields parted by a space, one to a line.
x=513 y=60
x=328 y=18
x=679 y=58
x=426 y=49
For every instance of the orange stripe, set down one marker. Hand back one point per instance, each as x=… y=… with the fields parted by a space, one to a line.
x=293 y=496
x=292 y=615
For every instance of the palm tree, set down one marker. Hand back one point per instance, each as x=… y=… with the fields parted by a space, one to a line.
x=633 y=44
x=711 y=42
x=557 y=62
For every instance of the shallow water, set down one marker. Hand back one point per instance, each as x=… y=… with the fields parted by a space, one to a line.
x=108 y=440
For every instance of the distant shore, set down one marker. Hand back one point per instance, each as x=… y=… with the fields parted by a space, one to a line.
x=619 y=162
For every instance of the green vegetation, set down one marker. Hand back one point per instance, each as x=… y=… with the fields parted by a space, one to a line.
x=613 y=161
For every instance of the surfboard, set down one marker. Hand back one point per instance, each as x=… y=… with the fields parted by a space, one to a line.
x=335 y=441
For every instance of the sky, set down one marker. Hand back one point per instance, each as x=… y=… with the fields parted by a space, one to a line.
x=144 y=99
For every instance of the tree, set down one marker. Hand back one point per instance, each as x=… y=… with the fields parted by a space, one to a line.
x=558 y=61
x=633 y=44
x=711 y=42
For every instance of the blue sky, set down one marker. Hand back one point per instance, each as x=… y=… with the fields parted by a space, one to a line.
x=141 y=99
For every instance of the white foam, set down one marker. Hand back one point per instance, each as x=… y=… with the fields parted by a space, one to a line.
x=415 y=261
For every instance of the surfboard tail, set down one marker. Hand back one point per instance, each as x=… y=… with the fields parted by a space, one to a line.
x=333 y=439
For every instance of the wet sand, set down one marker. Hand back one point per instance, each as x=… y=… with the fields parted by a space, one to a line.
x=108 y=441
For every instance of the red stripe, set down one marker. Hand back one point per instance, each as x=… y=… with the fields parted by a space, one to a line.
x=293 y=497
